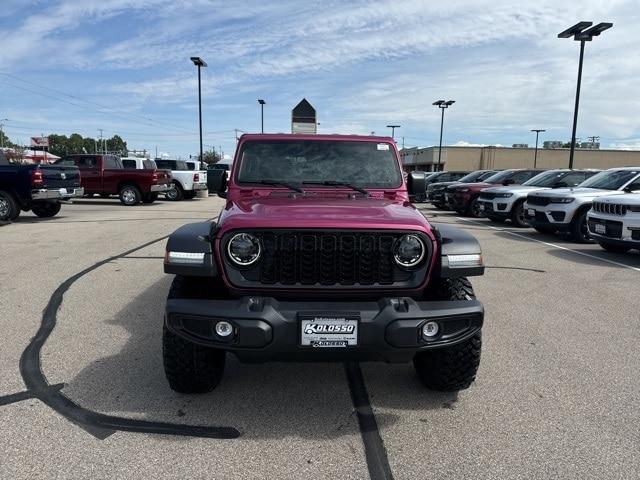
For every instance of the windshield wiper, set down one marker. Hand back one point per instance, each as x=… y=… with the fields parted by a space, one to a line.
x=275 y=183
x=332 y=183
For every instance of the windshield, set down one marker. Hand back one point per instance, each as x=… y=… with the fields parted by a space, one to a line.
x=610 y=180
x=365 y=164
x=546 y=179
x=476 y=176
x=499 y=177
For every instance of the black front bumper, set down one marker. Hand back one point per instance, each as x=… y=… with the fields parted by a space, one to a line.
x=266 y=329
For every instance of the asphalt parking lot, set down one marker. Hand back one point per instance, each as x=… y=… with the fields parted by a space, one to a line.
x=83 y=394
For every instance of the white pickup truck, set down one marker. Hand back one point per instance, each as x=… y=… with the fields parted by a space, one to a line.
x=186 y=182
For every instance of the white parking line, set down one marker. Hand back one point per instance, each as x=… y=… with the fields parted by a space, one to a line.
x=559 y=247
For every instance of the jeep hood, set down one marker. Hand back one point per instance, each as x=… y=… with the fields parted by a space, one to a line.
x=513 y=189
x=578 y=192
x=322 y=213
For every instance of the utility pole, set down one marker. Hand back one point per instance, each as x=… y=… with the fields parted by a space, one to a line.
x=393 y=130
x=535 y=155
x=156 y=151
x=593 y=139
x=402 y=142
x=198 y=62
x=262 y=103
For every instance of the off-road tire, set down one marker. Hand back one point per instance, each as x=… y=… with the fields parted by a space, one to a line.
x=451 y=368
x=517 y=215
x=578 y=230
x=175 y=194
x=129 y=195
x=610 y=247
x=149 y=197
x=190 y=368
x=9 y=209
x=46 y=209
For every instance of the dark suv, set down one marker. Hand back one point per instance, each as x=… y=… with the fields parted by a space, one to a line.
x=435 y=191
x=439 y=177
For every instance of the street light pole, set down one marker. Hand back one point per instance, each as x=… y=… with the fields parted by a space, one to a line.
x=199 y=63
x=535 y=155
x=581 y=32
x=393 y=130
x=261 y=102
x=442 y=104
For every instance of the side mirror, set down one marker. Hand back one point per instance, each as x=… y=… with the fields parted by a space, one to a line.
x=217 y=182
x=416 y=183
x=509 y=181
x=560 y=185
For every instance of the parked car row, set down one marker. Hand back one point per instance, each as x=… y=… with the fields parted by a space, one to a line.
x=587 y=205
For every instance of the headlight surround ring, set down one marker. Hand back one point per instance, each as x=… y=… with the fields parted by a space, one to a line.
x=411 y=241
x=251 y=246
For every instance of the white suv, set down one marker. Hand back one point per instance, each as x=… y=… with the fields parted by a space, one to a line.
x=507 y=203
x=565 y=209
x=186 y=182
x=614 y=222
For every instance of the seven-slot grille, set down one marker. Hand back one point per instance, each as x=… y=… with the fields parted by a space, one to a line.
x=328 y=258
x=535 y=200
x=610 y=208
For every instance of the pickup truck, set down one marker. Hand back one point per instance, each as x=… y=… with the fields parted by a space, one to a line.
x=106 y=175
x=39 y=188
x=318 y=255
x=186 y=181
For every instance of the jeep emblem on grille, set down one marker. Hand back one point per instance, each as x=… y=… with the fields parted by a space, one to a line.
x=63 y=176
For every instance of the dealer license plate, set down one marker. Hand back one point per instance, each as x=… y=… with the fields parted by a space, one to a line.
x=601 y=229
x=531 y=212
x=328 y=331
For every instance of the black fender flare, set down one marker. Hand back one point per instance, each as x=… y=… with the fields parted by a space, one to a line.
x=192 y=238
x=456 y=241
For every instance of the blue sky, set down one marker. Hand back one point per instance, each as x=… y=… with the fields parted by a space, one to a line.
x=123 y=66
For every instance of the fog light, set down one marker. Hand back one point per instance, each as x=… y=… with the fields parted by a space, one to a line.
x=430 y=330
x=224 y=329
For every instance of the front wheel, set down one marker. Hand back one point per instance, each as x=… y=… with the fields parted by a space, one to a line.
x=130 y=195
x=46 y=209
x=579 y=231
x=474 y=209
x=451 y=368
x=189 y=367
x=518 y=217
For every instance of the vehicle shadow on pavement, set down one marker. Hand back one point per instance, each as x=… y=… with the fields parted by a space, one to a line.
x=630 y=259
x=260 y=400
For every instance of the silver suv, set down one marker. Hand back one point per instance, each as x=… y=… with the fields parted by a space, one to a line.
x=507 y=203
x=565 y=209
x=614 y=221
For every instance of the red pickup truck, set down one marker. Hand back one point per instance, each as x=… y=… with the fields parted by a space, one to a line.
x=105 y=175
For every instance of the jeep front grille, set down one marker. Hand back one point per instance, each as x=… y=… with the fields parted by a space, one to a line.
x=304 y=258
x=535 y=200
x=487 y=196
x=610 y=208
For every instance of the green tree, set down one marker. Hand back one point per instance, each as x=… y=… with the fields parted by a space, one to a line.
x=117 y=145
x=58 y=145
x=210 y=156
x=75 y=143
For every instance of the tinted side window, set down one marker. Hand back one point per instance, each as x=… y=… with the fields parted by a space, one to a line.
x=521 y=177
x=111 y=162
x=574 y=178
x=165 y=164
x=129 y=164
x=634 y=186
x=457 y=175
x=191 y=165
x=86 y=162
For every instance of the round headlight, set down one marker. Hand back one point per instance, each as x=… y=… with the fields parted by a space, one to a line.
x=244 y=249
x=409 y=251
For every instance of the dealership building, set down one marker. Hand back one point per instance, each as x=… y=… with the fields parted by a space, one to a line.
x=481 y=158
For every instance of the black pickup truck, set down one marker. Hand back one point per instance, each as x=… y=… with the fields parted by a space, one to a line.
x=39 y=188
